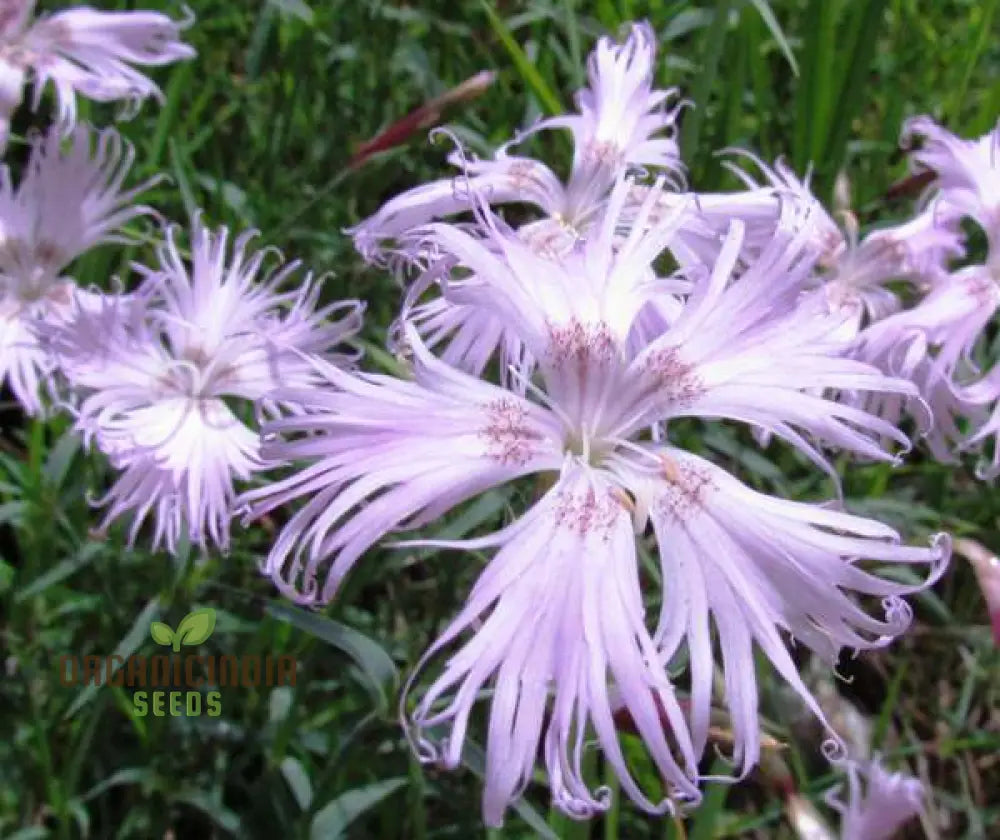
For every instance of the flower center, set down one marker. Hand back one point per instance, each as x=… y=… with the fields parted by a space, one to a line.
x=588 y=449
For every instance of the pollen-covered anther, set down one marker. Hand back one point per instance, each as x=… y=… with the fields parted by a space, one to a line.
x=623 y=498
x=687 y=486
x=510 y=438
x=588 y=511
x=675 y=380
x=669 y=468
x=581 y=343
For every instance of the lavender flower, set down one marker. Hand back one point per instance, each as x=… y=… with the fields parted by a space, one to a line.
x=563 y=620
x=887 y=802
x=967 y=174
x=81 y=51
x=69 y=200
x=622 y=123
x=157 y=380
x=933 y=343
x=854 y=286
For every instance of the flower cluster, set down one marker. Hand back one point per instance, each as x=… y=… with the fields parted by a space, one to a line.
x=161 y=379
x=567 y=343
x=553 y=326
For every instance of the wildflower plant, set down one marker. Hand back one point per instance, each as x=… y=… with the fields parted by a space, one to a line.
x=574 y=335
x=588 y=391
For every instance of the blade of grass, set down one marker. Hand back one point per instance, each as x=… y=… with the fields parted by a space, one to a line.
x=771 y=22
x=813 y=94
x=822 y=92
x=576 y=65
x=715 y=39
x=332 y=820
x=137 y=634
x=543 y=92
x=861 y=41
x=366 y=653
x=180 y=82
x=987 y=9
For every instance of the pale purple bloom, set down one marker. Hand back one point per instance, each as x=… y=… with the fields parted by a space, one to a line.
x=81 y=51
x=504 y=265
x=851 y=287
x=762 y=210
x=826 y=237
x=854 y=290
x=854 y=286
x=932 y=343
x=979 y=400
x=967 y=173
x=69 y=199
x=879 y=807
x=622 y=120
x=560 y=603
x=943 y=331
x=158 y=380
x=622 y=124
x=558 y=622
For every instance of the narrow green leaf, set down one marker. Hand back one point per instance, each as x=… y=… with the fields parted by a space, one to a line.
x=822 y=90
x=376 y=664
x=332 y=820
x=706 y=818
x=212 y=807
x=178 y=165
x=60 y=571
x=33 y=832
x=125 y=648
x=297 y=780
x=771 y=22
x=258 y=40
x=60 y=457
x=577 y=67
x=987 y=9
x=180 y=84
x=861 y=42
x=714 y=42
x=294 y=8
x=12 y=513
x=124 y=776
x=546 y=96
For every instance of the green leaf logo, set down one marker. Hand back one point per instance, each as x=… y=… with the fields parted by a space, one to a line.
x=161 y=633
x=194 y=629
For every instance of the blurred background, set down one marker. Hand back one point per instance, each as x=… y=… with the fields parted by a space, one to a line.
x=259 y=131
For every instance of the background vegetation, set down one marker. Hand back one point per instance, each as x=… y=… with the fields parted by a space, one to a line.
x=258 y=131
